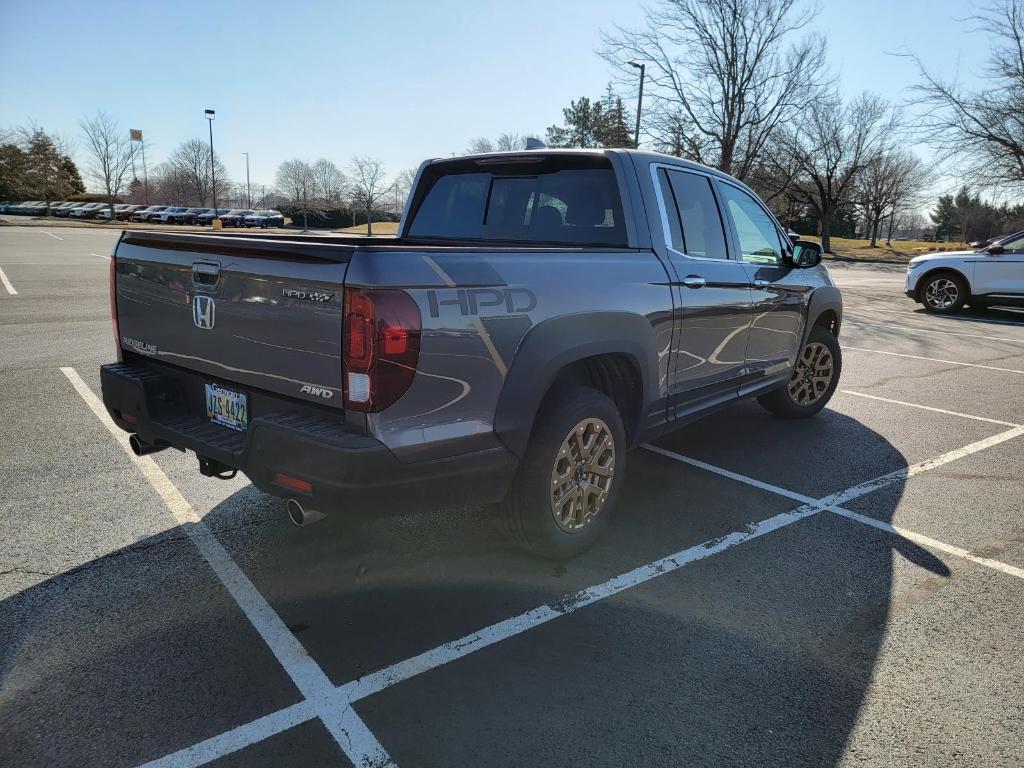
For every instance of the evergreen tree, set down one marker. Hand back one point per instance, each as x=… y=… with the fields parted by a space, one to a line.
x=612 y=121
x=12 y=172
x=71 y=174
x=580 y=128
x=602 y=123
x=41 y=170
x=944 y=216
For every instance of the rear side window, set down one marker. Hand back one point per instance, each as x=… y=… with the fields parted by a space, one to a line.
x=696 y=228
x=567 y=207
x=1015 y=244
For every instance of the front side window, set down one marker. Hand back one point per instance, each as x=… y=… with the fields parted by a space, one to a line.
x=757 y=233
x=565 y=207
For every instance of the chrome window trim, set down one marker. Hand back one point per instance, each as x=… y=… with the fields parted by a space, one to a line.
x=666 y=231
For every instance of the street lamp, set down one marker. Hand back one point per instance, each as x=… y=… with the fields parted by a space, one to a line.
x=248 y=189
x=639 y=99
x=210 y=116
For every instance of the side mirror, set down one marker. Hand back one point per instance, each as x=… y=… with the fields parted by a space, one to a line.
x=806 y=253
x=995 y=250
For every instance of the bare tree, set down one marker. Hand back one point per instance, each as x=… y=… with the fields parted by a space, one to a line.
x=510 y=142
x=889 y=183
x=297 y=180
x=982 y=130
x=831 y=145
x=328 y=182
x=776 y=173
x=721 y=78
x=111 y=152
x=190 y=164
x=506 y=142
x=481 y=145
x=401 y=188
x=169 y=184
x=367 y=186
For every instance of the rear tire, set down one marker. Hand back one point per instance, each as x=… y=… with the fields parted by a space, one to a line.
x=814 y=378
x=944 y=293
x=570 y=477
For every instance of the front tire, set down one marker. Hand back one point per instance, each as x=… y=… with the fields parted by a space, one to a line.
x=944 y=293
x=814 y=380
x=570 y=477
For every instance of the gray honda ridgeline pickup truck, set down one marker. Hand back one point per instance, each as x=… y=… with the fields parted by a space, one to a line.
x=539 y=314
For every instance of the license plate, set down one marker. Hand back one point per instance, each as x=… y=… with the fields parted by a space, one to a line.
x=230 y=409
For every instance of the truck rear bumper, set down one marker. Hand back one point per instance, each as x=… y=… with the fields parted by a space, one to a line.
x=345 y=470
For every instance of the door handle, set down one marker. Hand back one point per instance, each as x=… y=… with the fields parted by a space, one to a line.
x=694 y=281
x=761 y=283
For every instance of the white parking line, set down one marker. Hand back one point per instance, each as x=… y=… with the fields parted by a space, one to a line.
x=100 y=256
x=929 y=408
x=731 y=475
x=237 y=738
x=930 y=359
x=833 y=503
x=363 y=748
x=928 y=541
x=333 y=705
x=50 y=234
x=495 y=633
x=869 y=486
x=7 y=284
x=890 y=326
x=343 y=724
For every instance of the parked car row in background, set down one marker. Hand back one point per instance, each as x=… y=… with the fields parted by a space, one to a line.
x=76 y=210
x=153 y=214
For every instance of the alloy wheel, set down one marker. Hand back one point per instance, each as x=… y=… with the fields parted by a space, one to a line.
x=941 y=293
x=582 y=475
x=813 y=374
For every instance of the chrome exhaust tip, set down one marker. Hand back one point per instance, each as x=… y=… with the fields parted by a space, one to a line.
x=302 y=516
x=141 y=448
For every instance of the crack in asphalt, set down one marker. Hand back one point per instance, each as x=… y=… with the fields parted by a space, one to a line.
x=27 y=572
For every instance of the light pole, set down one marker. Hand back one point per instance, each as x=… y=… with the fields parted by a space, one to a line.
x=248 y=189
x=210 y=116
x=639 y=99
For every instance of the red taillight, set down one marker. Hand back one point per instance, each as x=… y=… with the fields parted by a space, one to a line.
x=381 y=347
x=359 y=315
x=113 y=306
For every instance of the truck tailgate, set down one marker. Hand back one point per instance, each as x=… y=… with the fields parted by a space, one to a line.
x=256 y=312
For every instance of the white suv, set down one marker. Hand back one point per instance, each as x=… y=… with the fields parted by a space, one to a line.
x=944 y=282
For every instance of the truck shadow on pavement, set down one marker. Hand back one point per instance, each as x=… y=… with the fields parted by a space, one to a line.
x=761 y=654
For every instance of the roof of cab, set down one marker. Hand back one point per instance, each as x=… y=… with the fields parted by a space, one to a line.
x=643 y=155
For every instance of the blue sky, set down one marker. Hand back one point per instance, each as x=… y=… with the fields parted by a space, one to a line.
x=397 y=80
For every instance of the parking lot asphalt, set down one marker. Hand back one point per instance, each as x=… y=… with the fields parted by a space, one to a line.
x=839 y=591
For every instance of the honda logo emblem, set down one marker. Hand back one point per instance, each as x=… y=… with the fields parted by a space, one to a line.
x=202 y=312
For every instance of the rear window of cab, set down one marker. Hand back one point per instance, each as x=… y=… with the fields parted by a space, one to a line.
x=562 y=201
